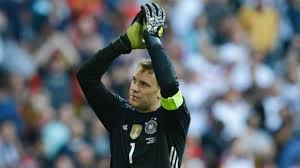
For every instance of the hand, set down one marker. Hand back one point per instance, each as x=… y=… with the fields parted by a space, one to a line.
x=154 y=22
x=133 y=38
x=135 y=32
x=148 y=23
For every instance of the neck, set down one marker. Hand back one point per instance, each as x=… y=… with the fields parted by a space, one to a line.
x=152 y=108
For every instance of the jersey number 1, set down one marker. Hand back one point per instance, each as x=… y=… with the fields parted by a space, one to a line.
x=131 y=152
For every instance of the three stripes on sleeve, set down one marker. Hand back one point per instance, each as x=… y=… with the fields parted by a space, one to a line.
x=174 y=160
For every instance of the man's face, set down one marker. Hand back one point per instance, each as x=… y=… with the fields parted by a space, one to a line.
x=144 y=91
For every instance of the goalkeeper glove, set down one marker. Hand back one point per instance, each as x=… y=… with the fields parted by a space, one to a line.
x=133 y=38
x=154 y=24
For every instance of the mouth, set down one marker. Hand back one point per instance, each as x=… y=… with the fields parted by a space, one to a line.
x=134 y=98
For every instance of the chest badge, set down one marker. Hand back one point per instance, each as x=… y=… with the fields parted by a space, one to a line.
x=136 y=130
x=151 y=127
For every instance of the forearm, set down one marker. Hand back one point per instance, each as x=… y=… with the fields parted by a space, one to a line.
x=162 y=66
x=103 y=102
x=95 y=67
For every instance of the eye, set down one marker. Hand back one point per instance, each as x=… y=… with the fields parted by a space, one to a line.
x=144 y=84
x=133 y=80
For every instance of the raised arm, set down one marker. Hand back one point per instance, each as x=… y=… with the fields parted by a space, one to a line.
x=103 y=102
x=176 y=116
x=107 y=105
x=163 y=69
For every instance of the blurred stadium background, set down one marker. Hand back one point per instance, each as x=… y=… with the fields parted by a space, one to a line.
x=238 y=62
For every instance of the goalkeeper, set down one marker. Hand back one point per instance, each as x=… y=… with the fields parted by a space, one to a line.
x=149 y=130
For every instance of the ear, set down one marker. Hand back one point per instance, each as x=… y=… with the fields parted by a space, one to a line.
x=158 y=94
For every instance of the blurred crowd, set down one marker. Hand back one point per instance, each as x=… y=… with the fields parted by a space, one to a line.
x=238 y=63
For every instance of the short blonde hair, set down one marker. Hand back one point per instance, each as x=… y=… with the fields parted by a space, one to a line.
x=146 y=65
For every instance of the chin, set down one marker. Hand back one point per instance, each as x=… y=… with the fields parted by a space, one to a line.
x=133 y=103
x=136 y=105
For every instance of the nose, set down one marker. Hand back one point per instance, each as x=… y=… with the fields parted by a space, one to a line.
x=135 y=87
